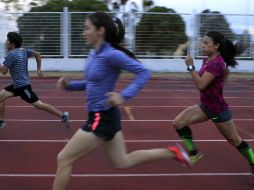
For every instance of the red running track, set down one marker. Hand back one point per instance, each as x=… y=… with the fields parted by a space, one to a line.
x=32 y=140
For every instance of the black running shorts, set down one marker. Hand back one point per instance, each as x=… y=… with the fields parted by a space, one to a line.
x=25 y=92
x=104 y=124
x=216 y=117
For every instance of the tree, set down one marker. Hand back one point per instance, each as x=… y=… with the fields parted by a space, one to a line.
x=147 y=4
x=46 y=28
x=157 y=34
x=245 y=39
x=214 y=21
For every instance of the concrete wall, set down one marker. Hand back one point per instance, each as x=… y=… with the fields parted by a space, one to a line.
x=156 y=65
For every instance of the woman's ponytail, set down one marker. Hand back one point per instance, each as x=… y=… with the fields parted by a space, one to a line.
x=119 y=36
x=227 y=49
x=114 y=30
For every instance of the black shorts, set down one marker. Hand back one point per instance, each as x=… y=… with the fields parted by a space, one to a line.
x=217 y=117
x=104 y=124
x=25 y=92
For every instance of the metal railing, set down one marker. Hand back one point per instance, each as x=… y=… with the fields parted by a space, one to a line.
x=149 y=35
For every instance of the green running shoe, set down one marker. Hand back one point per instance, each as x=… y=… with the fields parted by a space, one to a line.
x=195 y=158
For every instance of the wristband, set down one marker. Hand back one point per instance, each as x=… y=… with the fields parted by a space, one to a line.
x=190 y=67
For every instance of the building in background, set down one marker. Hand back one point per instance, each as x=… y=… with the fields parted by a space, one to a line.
x=125 y=5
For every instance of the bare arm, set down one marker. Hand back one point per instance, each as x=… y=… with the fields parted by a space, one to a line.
x=37 y=57
x=3 y=69
x=200 y=82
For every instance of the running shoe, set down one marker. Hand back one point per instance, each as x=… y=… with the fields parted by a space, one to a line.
x=66 y=119
x=195 y=158
x=180 y=154
x=2 y=124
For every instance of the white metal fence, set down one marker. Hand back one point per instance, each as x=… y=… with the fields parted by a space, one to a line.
x=149 y=35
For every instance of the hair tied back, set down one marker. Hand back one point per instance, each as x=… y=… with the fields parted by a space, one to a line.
x=240 y=47
x=116 y=24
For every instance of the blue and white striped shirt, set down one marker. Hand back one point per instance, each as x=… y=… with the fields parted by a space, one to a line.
x=17 y=63
x=102 y=71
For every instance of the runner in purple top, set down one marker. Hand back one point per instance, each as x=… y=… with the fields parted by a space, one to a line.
x=103 y=126
x=210 y=80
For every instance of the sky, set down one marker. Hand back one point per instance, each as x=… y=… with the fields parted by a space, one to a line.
x=223 y=6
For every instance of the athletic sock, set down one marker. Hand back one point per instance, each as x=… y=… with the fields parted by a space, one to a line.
x=185 y=134
x=247 y=152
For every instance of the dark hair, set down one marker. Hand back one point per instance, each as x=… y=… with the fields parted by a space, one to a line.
x=15 y=38
x=227 y=49
x=114 y=30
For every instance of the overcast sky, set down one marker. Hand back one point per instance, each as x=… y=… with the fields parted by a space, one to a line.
x=224 y=6
x=238 y=23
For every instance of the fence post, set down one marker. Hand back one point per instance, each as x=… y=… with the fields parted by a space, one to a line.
x=65 y=32
x=130 y=30
x=193 y=35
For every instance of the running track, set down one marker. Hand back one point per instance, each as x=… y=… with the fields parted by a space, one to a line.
x=33 y=138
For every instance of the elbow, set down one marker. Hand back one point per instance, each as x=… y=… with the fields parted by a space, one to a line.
x=149 y=75
x=37 y=54
x=3 y=71
x=201 y=86
x=145 y=75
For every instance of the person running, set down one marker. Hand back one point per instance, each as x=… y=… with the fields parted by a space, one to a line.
x=16 y=62
x=103 y=126
x=210 y=81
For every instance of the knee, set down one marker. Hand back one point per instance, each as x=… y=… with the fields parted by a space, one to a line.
x=120 y=166
x=1 y=99
x=38 y=105
x=176 y=124
x=234 y=141
x=123 y=164
x=62 y=160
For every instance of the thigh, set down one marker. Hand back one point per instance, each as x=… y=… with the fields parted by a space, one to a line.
x=27 y=94
x=229 y=131
x=80 y=144
x=116 y=148
x=4 y=94
x=191 y=115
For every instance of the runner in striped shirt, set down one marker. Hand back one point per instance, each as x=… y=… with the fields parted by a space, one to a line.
x=16 y=62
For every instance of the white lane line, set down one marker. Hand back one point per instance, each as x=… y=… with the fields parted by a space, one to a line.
x=129 y=113
x=127 y=141
x=131 y=175
x=125 y=106
x=163 y=90
x=81 y=120
x=144 y=97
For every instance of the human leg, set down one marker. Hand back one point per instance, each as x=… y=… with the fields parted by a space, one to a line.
x=51 y=109
x=80 y=144
x=4 y=94
x=191 y=115
x=229 y=131
x=47 y=107
x=116 y=150
x=28 y=95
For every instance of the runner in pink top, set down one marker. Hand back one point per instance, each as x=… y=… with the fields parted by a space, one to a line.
x=212 y=96
x=210 y=80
